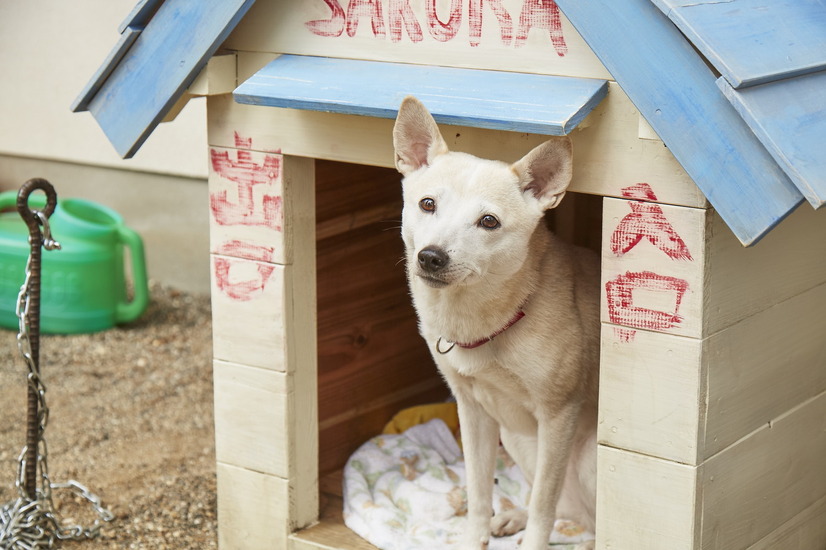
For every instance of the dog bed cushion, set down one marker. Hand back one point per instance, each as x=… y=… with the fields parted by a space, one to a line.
x=407 y=492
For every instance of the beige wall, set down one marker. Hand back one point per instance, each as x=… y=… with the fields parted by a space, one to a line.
x=48 y=51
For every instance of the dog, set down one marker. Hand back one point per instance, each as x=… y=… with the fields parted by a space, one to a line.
x=511 y=316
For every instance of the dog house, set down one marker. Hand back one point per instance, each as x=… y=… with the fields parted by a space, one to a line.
x=698 y=127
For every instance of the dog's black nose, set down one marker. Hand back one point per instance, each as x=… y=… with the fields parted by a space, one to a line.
x=433 y=259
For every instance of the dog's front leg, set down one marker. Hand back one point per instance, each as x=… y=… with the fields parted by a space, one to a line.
x=480 y=439
x=554 y=439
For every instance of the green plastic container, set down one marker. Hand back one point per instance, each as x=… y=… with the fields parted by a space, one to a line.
x=83 y=285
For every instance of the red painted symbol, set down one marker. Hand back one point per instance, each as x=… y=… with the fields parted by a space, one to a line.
x=648 y=221
x=540 y=14
x=502 y=16
x=367 y=8
x=543 y=14
x=247 y=288
x=444 y=31
x=621 y=308
x=401 y=15
x=329 y=27
x=247 y=175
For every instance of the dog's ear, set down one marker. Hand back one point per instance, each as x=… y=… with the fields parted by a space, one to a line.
x=416 y=137
x=546 y=171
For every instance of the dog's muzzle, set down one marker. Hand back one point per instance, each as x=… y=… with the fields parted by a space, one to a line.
x=432 y=259
x=433 y=262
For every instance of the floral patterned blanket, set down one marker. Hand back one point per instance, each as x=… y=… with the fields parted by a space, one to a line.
x=407 y=492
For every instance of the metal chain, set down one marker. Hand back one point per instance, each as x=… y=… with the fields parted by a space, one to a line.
x=31 y=521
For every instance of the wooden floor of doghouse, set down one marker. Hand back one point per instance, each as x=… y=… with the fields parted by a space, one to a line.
x=330 y=531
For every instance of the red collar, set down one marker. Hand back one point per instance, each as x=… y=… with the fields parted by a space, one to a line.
x=483 y=341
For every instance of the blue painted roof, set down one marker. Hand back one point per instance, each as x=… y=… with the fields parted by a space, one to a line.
x=495 y=100
x=733 y=88
x=749 y=129
x=164 y=45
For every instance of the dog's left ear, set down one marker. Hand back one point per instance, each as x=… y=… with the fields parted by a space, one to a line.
x=416 y=137
x=546 y=171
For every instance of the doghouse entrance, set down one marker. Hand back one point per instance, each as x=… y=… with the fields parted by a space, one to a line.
x=372 y=363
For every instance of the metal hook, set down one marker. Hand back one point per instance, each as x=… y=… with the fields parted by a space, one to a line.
x=29 y=216
x=48 y=242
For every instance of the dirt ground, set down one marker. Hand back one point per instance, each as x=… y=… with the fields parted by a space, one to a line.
x=130 y=418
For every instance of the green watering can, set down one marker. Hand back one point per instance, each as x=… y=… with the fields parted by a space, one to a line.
x=83 y=284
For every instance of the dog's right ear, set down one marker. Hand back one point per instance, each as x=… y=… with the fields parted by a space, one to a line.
x=416 y=137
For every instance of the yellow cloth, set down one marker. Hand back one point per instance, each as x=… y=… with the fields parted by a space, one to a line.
x=413 y=416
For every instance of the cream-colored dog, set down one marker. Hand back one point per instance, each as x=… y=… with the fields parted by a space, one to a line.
x=511 y=316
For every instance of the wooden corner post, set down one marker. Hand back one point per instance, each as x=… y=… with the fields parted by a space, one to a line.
x=262 y=238
x=712 y=391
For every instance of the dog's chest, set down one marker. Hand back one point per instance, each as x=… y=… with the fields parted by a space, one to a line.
x=500 y=391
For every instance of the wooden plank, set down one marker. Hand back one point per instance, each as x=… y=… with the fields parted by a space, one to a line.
x=302 y=350
x=675 y=91
x=765 y=479
x=217 y=77
x=645 y=502
x=159 y=66
x=517 y=102
x=140 y=14
x=609 y=155
x=127 y=38
x=248 y=312
x=804 y=531
x=247 y=204
x=789 y=117
x=651 y=397
x=251 y=429
x=743 y=282
x=508 y=35
x=743 y=40
x=329 y=533
x=253 y=509
x=653 y=265
x=763 y=366
x=372 y=361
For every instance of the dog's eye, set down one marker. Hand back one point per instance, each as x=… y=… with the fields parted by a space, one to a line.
x=427 y=204
x=488 y=222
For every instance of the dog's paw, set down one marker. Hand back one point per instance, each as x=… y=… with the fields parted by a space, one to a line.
x=509 y=522
x=475 y=544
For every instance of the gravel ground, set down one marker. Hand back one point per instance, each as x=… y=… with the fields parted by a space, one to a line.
x=130 y=418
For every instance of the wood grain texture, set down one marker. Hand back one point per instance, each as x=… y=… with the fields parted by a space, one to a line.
x=251 y=427
x=371 y=360
x=127 y=38
x=300 y=303
x=762 y=367
x=156 y=70
x=789 y=117
x=329 y=533
x=765 y=479
x=496 y=100
x=651 y=394
x=248 y=312
x=217 y=77
x=804 y=531
x=742 y=282
x=745 y=42
x=253 y=509
x=703 y=131
x=646 y=502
